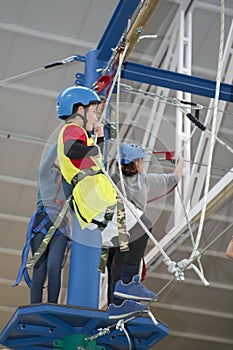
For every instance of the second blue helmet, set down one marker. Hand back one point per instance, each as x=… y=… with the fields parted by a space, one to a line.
x=130 y=152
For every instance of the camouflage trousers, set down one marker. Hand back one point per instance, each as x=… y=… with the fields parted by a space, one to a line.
x=122 y=232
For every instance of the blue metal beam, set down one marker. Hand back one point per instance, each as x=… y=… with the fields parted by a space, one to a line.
x=116 y=28
x=176 y=81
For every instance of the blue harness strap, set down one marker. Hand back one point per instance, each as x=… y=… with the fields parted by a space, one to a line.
x=31 y=231
x=22 y=269
x=41 y=227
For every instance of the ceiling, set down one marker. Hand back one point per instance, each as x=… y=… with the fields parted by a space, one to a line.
x=36 y=33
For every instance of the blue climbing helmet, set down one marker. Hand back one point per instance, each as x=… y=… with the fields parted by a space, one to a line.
x=130 y=152
x=70 y=96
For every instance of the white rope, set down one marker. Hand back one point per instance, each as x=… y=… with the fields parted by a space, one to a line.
x=149 y=36
x=172 y=266
x=121 y=327
x=113 y=84
x=213 y=133
x=116 y=79
x=21 y=75
x=118 y=156
x=221 y=142
x=156 y=243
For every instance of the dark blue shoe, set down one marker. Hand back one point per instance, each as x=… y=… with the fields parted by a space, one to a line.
x=134 y=290
x=126 y=309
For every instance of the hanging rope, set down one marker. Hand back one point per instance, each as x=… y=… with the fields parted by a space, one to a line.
x=166 y=257
x=172 y=266
x=213 y=133
x=118 y=156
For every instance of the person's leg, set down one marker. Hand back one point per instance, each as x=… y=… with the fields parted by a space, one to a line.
x=127 y=280
x=57 y=247
x=129 y=285
x=116 y=271
x=39 y=271
x=137 y=246
x=110 y=263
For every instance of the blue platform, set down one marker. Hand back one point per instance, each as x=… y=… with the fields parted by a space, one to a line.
x=43 y=326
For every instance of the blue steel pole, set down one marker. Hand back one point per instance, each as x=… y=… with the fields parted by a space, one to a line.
x=84 y=278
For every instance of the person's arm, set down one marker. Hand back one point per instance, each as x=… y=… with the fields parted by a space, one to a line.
x=165 y=182
x=179 y=167
x=99 y=129
x=75 y=143
x=75 y=149
x=229 y=250
x=48 y=160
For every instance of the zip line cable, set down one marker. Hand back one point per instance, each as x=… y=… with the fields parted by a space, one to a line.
x=47 y=66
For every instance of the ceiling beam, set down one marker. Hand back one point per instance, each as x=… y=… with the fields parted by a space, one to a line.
x=117 y=25
x=151 y=75
x=176 y=81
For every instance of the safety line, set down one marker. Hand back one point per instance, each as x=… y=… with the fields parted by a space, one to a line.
x=113 y=85
x=221 y=142
x=213 y=133
x=172 y=266
x=166 y=257
x=47 y=66
x=122 y=56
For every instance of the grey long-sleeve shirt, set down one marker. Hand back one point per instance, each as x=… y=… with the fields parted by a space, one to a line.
x=138 y=187
x=47 y=179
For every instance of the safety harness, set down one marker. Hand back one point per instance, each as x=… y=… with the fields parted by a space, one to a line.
x=93 y=194
x=108 y=216
x=46 y=227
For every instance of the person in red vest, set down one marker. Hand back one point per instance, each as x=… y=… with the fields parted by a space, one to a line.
x=94 y=196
